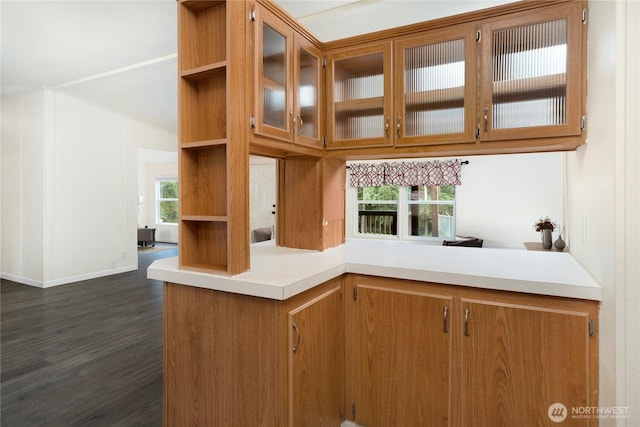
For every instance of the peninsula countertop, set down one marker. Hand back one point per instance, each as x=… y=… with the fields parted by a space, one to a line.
x=280 y=273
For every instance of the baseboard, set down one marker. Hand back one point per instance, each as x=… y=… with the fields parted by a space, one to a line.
x=69 y=279
x=22 y=280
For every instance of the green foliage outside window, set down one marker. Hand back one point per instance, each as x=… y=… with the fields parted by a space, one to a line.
x=168 y=202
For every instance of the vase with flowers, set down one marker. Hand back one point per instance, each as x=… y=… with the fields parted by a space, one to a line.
x=545 y=226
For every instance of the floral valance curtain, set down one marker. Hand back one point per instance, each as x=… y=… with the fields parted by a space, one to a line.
x=433 y=173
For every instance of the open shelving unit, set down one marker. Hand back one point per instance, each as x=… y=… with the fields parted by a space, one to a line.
x=206 y=214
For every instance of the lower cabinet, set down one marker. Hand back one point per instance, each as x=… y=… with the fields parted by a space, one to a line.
x=401 y=355
x=236 y=360
x=438 y=355
x=379 y=352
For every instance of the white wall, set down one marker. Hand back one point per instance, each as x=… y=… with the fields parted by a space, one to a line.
x=502 y=196
x=22 y=184
x=604 y=198
x=69 y=188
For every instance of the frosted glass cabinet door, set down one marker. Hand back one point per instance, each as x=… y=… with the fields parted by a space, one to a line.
x=274 y=80
x=359 y=94
x=308 y=66
x=435 y=87
x=532 y=75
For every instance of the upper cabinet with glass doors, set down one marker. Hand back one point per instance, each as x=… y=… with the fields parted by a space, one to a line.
x=288 y=83
x=359 y=97
x=435 y=87
x=532 y=74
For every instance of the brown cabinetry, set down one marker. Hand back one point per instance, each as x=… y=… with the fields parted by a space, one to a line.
x=209 y=69
x=316 y=359
x=532 y=74
x=514 y=83
x=288 y=82
x=359 y=96
x=401 y=352
x=236 y=360
x=428 y=354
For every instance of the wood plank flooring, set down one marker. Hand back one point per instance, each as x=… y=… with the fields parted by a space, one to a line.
x=83 y=354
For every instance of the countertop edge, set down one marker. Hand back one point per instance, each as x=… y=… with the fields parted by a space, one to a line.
x=285 y=286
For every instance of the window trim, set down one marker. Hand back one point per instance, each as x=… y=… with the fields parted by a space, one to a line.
x=159 y=199
x=403 y=204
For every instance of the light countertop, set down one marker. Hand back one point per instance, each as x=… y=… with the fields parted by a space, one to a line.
x=280 y=273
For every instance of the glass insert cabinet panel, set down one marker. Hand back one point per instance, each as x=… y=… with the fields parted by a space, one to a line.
x=435 y=89
x=274 y=77
x=360 y=95
x=529 y=67
x=532 y=81
x=308 y=95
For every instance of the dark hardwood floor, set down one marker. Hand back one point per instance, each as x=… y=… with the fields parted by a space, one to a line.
x=83 y=354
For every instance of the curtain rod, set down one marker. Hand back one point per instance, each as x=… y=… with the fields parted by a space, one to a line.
x=464 y=162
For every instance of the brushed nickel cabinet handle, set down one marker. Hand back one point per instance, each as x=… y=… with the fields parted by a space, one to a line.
x=445 y=328
x=466 y=322
x=485 y=110
x=295 y=328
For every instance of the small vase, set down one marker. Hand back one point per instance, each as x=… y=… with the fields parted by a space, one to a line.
x=547 y=239
x=559 y=244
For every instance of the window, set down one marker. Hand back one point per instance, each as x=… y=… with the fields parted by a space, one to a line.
x=405 y=212
x=167 y=197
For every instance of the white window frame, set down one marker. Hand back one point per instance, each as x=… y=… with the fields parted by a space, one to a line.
x=160 y=199
x=403 y=204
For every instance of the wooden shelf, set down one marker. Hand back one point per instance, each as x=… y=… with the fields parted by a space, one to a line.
x=205 y=71
x=203 y=245
x=204 y=143
x=356 y=105
x=202 y=33
x=531 y=88
x=203 y=107
x=435 y=99
x=203 y=183
x=205 y=218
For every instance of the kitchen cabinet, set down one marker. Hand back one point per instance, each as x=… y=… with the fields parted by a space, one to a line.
x=435 y=87
x=401 y=353
x=532 y=74
x=288 y=83
x=236 y=360
x=511 y=83
x=359 y=97
x=519 y=358
x=429 y=354
x=316 y=360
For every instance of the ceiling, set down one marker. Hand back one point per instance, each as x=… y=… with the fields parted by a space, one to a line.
x=122 y=54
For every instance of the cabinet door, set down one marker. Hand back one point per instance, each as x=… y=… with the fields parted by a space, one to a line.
x=359 y=97
x=435 y=87
x=316 y=361
x=274 y=77
x=308 y=105
x=518 y=361
x=532 y=74
x=403 y=357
